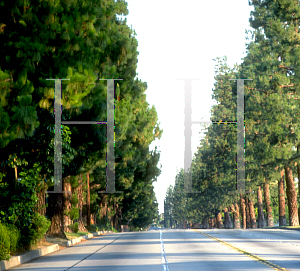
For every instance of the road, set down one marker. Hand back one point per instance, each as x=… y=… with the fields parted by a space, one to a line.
x=176 y=249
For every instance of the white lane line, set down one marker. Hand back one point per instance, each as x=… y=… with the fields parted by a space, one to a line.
x=163 y=255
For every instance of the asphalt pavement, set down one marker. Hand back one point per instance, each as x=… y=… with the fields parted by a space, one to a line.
x=177 y=249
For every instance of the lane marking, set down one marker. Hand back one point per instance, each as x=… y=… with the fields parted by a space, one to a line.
x=269 y=264
x=105 y=245
x=163 y=255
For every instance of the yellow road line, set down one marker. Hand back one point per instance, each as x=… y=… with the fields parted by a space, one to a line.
x=269 y=264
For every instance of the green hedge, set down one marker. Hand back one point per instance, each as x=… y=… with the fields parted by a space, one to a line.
x=14 y=237
x=35 y=232
x=4 y=243
x=39 y=227
x=11 y=238
x=93 y=228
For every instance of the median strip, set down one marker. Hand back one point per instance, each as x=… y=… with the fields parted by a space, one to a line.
x=265 y=262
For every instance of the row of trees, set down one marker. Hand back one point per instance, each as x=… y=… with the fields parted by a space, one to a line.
x=272 y=138
x=83 y=41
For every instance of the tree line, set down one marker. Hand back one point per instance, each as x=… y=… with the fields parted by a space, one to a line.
x=272 y=140
x=83 y=41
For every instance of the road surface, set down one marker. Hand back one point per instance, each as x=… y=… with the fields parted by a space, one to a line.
x=176 y=249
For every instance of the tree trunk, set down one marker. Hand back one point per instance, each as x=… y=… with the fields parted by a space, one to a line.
x=211 y=222
x=270 y=220
x=80 y=199
x=238 y=222
x=248 y=220
x=252 y=213
x=55 y=211
x=214 y=222
x=243 y=209
x=227 y=223
x=236 y=216
x=219 y=220
x=16 y=175
x=41 y=203
x=204 y=223
x=67 y=205
x=298 y=171
x=292 y=197
x=281 y=200
x=81 y=226
x=119 y=217
x=261 y=218
x=116 y=217
x=103 y=208
x=88 y=202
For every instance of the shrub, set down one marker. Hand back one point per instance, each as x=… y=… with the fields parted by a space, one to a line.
x=106 y=227
x=39 y=227
x=35 y=232
x=4 y=243
x=14 y=237
x=93 y=228
x=74 y=227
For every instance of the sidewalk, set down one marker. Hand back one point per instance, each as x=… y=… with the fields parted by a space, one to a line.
x=33 y=254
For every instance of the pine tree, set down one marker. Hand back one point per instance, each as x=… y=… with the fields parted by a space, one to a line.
x=280 y=24
x=83 y=43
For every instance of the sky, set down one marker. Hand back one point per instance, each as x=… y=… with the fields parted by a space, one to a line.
x=180 y=39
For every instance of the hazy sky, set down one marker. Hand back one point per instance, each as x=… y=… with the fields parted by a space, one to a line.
x=180 y=39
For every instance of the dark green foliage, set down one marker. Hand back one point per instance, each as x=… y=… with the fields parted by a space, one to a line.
x=82 y=41
x=169 y=208
x=139 y=202
x=18 y=207
x=39 y=227
x=74 y=212
x=4 y=243
x=14 y=237
x=74 y=227
x=103 y=224
x=94 y=228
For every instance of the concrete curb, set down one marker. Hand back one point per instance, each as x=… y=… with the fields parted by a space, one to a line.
x=30 y=255
x=87 y=236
